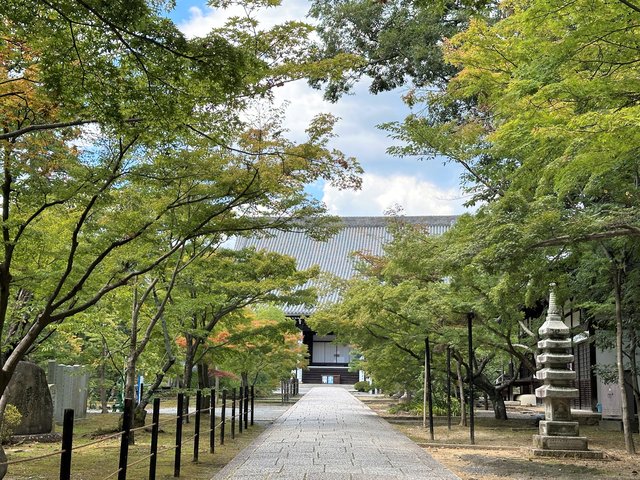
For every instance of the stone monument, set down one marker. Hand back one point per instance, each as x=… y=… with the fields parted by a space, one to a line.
x=29 y=392
x=559 y=435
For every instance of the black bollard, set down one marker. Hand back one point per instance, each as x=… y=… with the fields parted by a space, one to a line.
x=178 y=450
x=212 y=421
x=223 y=415
x=196 y=433
x=67 y=444
x=124 y=439
x=153 y=459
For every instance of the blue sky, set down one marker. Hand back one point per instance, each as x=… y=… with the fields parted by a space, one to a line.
x=419 y=187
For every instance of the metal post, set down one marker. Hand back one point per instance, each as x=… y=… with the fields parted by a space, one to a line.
x=153 y=459
x=253 y=397
x=67 y=444
x=124 y=439
x=196 y=433
x=212 y=422
x=233 y=413
x=448 y=387
x=427 y=355
x=472 y=439
x=178 y=451
x=223 y=416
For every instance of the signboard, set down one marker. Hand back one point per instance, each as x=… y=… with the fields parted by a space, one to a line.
x=610 y=400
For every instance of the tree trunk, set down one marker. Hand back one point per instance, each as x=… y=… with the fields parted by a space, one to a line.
x=499 y=408
x=171 y=359
x=130 y=365
x=463 y=410
x=187 y=374
x=626 y=423
x=634 y=365
x=203 y=375
x=103 y=388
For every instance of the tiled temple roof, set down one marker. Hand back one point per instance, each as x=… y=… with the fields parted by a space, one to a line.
x=334 y=256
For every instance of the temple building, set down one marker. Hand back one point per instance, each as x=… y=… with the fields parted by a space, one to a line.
x=328 y=360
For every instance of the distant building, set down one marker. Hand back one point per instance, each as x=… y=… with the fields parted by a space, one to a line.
x=328 y=361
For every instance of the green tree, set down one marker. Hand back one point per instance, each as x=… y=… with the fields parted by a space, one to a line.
x=555 y=100
x=262 y=347
x=86 y=212
x=397 y=42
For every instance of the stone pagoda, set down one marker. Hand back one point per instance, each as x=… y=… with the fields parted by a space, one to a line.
x=558 y=435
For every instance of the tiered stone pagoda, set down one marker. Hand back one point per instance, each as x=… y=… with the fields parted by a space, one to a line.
x=559 y=435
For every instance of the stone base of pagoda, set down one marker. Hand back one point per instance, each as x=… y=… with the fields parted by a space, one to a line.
x=582 y=454
x=559 y=442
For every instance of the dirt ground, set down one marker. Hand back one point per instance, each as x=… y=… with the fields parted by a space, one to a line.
x=472 y=464
x=504 y=450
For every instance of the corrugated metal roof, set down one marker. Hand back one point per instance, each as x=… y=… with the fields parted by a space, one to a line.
x=334 y=256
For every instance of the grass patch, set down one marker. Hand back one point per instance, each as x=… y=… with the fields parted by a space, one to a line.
x=97 y=461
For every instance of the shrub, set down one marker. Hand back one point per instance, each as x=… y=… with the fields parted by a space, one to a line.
x=11 y=419
x=363 y=386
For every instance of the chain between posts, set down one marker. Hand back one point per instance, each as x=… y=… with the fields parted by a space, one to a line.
x=246 y=397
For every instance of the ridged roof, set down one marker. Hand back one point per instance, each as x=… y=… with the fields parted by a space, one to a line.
x=334 y=256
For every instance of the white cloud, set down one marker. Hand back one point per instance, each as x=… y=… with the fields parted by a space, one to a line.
x=381 y=193
x=202 y=20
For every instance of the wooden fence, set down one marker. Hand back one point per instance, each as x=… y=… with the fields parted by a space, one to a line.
x=241 y=402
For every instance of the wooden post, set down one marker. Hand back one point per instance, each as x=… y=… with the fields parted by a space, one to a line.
x=233 y=413
x=246 y=407
x=155 y=428
x=448 y=387
x=472 y=439
x=67 y=444
x=240 y=408
x=427 y=355
x=178 y=451
x=212 y=422
x=196 y=433
x=124 y=439
x=253 y=397
x=223 y=416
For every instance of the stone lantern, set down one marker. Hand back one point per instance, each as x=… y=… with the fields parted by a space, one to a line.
x=558 y=435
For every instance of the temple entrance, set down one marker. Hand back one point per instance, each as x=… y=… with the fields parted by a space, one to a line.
x=328 y=361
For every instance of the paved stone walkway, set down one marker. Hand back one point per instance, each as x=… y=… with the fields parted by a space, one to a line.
x=329 y=435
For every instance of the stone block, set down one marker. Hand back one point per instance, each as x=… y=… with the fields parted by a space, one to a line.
x=552 y=391
x=563 y=429
x=582 y=454
x=527 y=399
x=547 y=442
x=554 y=358
x=553 y=327
x=558 y=410
x=28 y=390
x=549 y=343
x=555 y=374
